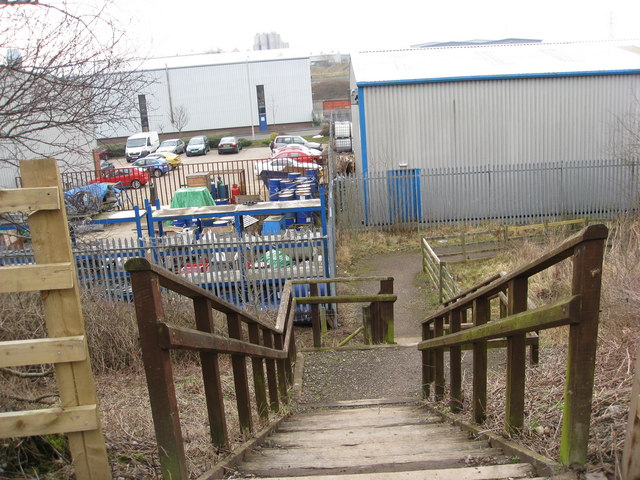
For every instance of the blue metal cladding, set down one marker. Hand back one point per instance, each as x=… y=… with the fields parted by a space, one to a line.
x=405 y=199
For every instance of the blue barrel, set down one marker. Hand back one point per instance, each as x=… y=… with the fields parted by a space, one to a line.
x=303 y=218
x=214 y=190
x=222 y=201
x=287 y=196
x=293 y=175
x=223 y=192
x=274 y=188
x=285 y=183
x=312 y=173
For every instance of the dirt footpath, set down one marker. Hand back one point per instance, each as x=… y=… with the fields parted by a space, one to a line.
x=412 y=305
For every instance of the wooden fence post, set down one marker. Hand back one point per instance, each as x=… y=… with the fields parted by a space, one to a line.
x=587 y=276
x=157 y=366
x=427 y=363
x=516 y=359
x=211 y=376
x=455 y=364
x=366 y=323
x=481 y=315
x=315 y=317
x=257 y=366
x=439 y=360
x=239 y=367
x=386 y=313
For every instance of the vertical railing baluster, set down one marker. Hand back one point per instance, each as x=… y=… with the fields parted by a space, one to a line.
x=426 y=363
x=455 y=364
x=241 y=382
x=211 y=376
x=386 y=313
x=257 y=365
x=315 y=317
x=272 y=378
x=439 y=360
x=517 y=294
x=481 y=315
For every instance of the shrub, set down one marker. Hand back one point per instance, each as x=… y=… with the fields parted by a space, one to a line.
x=244 y=142
x=114 y=149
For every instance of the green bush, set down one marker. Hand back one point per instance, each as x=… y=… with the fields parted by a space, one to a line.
x=214 y=140
x=244 y=142
x=266 y=141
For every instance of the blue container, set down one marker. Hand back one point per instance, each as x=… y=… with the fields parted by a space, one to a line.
x=304 y=218
x=214 y=190
x=222 y=201
x=285 y=183
x=183 y=222
x=293 y=175
x=274 y=188
x=223 y=191
x=287 y=196
x=311 y=173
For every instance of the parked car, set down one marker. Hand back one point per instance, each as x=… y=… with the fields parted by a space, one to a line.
x=229 y=144
x=172 y=159
x=198 y=146
x=128 y=177
x=174 y=145
x=155 y=166
x=282 y=140
x=140 y=145
x=284 y=165
x=299 y=153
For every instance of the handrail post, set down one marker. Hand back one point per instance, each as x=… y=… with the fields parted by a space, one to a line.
x=211 y=376
x=587 y=276
x=241 y=382
x=517 y=295
x=278 y=343
x=157 y=366
x=481 y=315
x=315 y=317
x=257 y=367
x=455 y=364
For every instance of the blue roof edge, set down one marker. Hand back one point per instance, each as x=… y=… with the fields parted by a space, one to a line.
x=498 y=77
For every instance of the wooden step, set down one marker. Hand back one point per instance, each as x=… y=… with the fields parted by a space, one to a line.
x=394 y=442
x=490 y=472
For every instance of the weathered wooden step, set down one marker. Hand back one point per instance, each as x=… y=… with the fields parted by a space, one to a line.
x=490 y=472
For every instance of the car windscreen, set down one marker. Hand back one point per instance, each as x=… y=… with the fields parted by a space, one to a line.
x=136 y=142
x=168 y=143
x=196 y=141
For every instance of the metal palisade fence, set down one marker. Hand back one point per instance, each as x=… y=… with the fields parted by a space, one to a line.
x=248 y=271
x=415 y=198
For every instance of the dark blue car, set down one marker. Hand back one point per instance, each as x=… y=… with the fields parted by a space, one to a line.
x=155 y=166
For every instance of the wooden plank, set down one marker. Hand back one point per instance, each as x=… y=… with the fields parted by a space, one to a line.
x=338 y=280
x=42 y=350
x=439 y=361
x=631 y=452
x=559 y=313
x=63 y=317
x=516 y=359
x=31 y=278
x=489 y=472
x=240 y=380
x=159 y=375
x=211 y=377
x=347 y=299
x=48 y=421
x=283 y=464
x=386 y=312
x=427 y=362
x=315 y=317
x=190 y=339
x=283 y=388
x=29 y=199
x=581 y=355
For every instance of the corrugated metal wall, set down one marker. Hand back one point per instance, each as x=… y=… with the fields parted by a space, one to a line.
x=501 y=122
x=224 y=96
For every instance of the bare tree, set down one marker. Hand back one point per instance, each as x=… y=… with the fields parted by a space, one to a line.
x=179 y=117
x=68 y=74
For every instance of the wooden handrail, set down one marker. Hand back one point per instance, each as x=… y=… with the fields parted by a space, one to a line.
x=273 y=346
x=580 y=311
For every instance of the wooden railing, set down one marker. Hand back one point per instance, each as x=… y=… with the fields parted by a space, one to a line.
x=378 y=319
x=65 y=347
x=579 y=310
x=269 y=347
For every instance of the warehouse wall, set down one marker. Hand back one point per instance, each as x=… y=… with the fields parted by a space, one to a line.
x=499 y=122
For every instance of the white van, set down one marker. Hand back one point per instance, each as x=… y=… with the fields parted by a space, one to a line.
x=140 y=145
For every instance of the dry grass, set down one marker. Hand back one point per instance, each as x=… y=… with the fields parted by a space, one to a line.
x=619 y=336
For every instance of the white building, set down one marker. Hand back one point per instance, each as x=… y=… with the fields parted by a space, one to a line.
x=496 y=104
x=225 y=92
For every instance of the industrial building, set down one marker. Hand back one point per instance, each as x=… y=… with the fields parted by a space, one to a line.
x=259 y=90
x=493 y=104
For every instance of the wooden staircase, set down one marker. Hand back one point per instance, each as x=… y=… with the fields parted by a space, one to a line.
x=390 y=442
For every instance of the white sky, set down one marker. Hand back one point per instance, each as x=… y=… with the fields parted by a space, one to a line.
x=194 y=26
x=170 y=27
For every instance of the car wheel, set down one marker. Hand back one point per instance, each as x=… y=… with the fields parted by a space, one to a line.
x=188 y=155
x=136 y=184
x=157 y=173
x=219 y=152
x=237 y=149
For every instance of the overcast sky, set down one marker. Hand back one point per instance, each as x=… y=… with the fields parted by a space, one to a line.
x=168 y=27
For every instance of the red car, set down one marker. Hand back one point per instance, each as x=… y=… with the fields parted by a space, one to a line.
x=299 y=154
x=129 y=177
